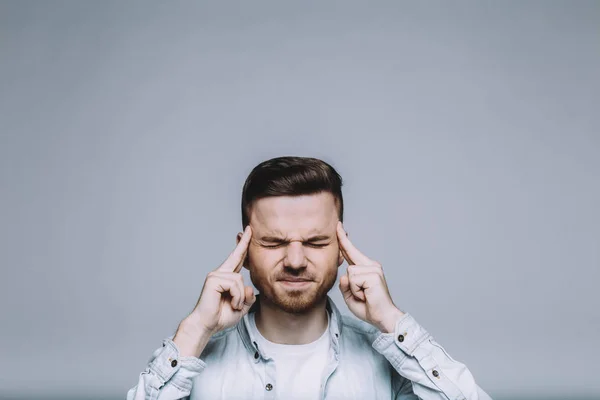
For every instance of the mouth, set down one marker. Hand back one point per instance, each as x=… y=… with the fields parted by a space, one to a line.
x=294 y=283
x=291 y=279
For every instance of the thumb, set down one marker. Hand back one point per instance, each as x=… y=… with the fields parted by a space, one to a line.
x=249 y=299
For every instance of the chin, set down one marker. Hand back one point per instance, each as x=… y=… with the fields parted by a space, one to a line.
x=297 y=302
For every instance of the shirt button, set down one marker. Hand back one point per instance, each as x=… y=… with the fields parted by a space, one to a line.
x=256 y=355
x=174 y=363
x=269 y=387
x=401 y=338
x=435 y=373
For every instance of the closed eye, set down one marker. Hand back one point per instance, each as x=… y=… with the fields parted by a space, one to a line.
x=274 y=246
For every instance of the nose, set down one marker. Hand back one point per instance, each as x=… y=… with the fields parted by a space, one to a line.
x=295 y=257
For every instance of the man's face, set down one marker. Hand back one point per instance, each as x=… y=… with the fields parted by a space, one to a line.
x=293 y=256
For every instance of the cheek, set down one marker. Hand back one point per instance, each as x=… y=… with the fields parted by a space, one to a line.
x=323 y=257
x=264 y=259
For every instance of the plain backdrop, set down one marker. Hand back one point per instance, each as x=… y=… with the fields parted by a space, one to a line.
x=467 y=134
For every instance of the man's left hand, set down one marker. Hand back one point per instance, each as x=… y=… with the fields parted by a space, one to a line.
x=364 y=287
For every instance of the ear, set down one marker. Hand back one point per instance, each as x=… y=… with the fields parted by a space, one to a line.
x=237 y=241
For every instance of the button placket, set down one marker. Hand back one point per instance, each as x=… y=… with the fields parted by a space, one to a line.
x=270 y=379
x=257 y=355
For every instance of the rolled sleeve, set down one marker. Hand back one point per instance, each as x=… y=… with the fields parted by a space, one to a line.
x=168 y=362
x=416 y=356
x=168 y=375
x=408 y=336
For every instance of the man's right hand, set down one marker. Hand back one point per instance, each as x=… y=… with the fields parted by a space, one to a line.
x=224 y=300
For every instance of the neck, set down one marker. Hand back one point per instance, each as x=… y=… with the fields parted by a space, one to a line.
x=281 y=327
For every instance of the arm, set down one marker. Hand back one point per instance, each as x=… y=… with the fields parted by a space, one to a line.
x=164 y=379
x=172 y=368
x=430 y=372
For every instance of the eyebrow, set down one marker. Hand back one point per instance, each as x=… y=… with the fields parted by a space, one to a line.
x=274 y=239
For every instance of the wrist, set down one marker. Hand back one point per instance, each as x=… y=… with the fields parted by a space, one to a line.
x=192 y=325
x=389 y=324
x=191 y=338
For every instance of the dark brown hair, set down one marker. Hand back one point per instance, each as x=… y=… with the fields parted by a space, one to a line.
x=291 y=176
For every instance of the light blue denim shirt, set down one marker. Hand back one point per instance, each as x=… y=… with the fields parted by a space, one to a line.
x=364 y=363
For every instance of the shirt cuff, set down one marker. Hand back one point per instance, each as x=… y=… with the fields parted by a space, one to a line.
x=408 y=336
x=167 y=362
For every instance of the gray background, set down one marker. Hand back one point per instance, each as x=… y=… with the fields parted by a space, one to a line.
x=467 y=134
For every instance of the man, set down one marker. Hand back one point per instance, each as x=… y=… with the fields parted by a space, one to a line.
x=290 y=341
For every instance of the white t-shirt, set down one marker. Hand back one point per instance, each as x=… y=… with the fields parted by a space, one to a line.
x=299 y=367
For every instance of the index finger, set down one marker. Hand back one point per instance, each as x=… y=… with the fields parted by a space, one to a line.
x=351 y=253
x=234 y=262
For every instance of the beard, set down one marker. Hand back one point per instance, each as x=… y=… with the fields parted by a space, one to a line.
x=294 y=301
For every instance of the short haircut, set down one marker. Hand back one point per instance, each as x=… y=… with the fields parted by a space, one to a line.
x=291 y=176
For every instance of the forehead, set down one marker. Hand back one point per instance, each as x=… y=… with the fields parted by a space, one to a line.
x=294 y=215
